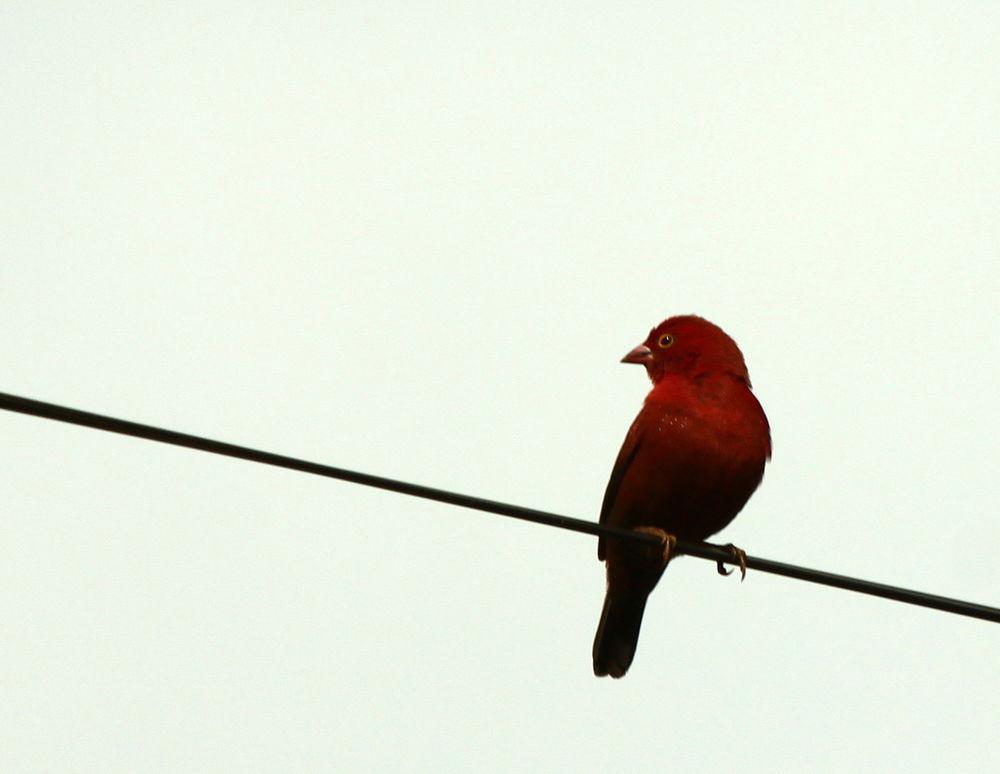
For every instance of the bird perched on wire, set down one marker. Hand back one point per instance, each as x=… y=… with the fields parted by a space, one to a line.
x=690 y=461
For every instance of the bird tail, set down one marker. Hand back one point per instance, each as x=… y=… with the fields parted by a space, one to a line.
x=618 y=632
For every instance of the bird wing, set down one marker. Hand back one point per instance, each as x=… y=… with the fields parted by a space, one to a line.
x=630 y=447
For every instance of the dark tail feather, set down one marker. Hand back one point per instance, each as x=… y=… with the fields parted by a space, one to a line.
x=618 y=633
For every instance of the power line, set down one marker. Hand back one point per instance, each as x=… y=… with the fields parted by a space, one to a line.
x=701 y=550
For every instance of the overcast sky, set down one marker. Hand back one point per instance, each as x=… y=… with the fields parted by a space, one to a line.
x=415 y=240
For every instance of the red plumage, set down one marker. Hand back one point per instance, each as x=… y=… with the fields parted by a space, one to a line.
x=691 y=460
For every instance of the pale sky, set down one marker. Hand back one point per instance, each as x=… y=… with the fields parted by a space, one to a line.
x=415 y=240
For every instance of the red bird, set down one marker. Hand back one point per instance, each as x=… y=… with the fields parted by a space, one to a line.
x=690 y=461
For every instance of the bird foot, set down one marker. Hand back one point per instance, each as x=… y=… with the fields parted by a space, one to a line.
x=739 y=556
x=668 y=542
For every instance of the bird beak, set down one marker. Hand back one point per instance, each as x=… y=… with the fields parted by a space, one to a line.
x=641 y=354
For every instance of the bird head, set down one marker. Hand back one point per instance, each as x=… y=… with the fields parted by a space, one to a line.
x=691 y=347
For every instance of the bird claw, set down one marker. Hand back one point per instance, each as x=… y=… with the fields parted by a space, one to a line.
x=739 y=556
x=668 y=541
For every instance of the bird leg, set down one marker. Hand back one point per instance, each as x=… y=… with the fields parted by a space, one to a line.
x=739 y=556
x=668 y=542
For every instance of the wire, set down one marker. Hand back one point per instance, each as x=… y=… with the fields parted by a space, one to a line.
x=701 y=550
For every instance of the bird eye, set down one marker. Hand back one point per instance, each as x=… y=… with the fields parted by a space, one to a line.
x=665 y=340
